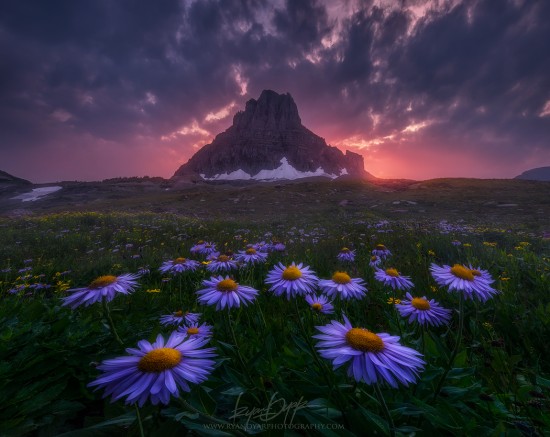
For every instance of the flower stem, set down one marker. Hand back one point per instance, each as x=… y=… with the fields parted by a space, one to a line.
x=455 y=350
x=140 y=423
x=386 y=409
x=107 y=314
x=234 y=337
x=397 y=320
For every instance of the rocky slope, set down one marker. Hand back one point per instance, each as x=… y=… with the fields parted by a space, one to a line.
x=267 y=141
x=536 y=174
x=8 y=179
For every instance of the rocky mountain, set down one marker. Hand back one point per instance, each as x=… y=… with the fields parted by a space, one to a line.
x=8 y=179
x=536 y=174
x=267 y=141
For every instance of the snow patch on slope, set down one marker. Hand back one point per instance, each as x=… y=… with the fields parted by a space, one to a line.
x=36 y=193
x=284 y=171
x=233 y=176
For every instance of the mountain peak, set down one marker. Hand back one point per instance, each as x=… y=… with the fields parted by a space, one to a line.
x=270 y=111
x=267 y=141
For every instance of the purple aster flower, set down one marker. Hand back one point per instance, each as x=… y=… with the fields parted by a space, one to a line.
x=346 y=255
x=344 y=286
x=212 y=256
x=373 y=357
x=179 y=317
x=277 y=246
x=320 y=304
x=381 y=251
x=143 y=270
x=419 y=309
x=393 y=278
x=156 y=371
x=456 y=243
x=178 y=265
x=196 y=330
x=375 y=261
x=251 y=256
x=225 y=292
x=222 y=263
x=473 y=283
x=195 y=249
x=102 y=288
x=293 y=280
x=262 y=246
x=207 y=249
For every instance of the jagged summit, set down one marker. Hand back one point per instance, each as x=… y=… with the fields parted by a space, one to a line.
x=267 y=141
x=271 y=111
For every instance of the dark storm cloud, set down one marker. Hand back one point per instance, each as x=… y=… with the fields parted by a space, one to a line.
x=471 y=74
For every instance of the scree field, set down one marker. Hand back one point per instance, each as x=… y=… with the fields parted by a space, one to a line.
x=443 y=330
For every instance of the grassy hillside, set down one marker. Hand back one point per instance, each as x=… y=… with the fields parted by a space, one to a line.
x=511 y=203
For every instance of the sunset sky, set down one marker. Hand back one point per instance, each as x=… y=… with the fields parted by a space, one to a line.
x=422 y=89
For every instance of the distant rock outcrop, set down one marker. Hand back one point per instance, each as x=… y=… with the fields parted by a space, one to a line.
x=8 y=179
x=267 y=141
x=536 y=174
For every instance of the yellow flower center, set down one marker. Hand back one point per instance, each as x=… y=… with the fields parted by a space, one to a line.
x=292 y=273
x=179 y=260
x=160 y=359
x=344 y=250
x=373 y=258
x=250 y=251
x=200 y=242
x=392 y=272
x=227 y=285
x=102 y=281
x=476 y=272
x=380 y=247
x=192 y=331
x=223 y=258
x=462 y=272
x=178 y=313
x=317 y=306
x=341 y=278
x=363 y=340
x=420 y=303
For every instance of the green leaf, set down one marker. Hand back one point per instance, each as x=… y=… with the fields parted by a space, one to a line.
x=542 y=382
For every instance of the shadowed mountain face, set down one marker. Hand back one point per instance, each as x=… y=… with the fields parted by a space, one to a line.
x=268 y=141
x=6 y=178
x=536 y=174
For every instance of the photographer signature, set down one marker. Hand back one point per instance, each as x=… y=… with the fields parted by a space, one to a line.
x=275 y=408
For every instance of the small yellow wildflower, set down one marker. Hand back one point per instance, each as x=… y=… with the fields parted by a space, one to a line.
x=153 y=290
x=392 y=301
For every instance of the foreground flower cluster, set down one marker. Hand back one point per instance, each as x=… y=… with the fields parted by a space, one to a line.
x=160 y=370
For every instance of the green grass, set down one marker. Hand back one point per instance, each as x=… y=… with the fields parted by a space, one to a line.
x=498 y=384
